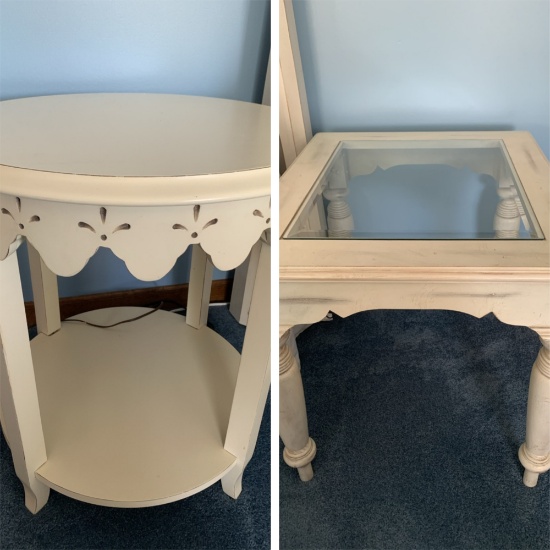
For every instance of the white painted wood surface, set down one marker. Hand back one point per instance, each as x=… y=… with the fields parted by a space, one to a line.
x=299 y=449
x=68 y=235
x=20 y=410
x=134 y=415
x=534 y=454
x=243 y=279
x=200 y=285
x=45 y=294
x=510 y=278
x=243 y=285
x=254 y=377
x=294 y=121
x=98 y=137
x=135 y=207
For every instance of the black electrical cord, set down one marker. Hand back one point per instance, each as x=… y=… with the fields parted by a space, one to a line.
x=116 y=324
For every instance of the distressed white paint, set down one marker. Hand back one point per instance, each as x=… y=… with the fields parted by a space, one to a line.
x=510 y=278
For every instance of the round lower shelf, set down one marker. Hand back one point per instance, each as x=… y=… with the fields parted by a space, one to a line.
x=134 y=415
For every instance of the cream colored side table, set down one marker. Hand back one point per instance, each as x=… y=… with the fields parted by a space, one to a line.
x=154 y=410
x=456 y=221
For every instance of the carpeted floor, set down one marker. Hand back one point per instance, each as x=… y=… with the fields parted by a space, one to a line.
x=417 y=417
x=207 y=520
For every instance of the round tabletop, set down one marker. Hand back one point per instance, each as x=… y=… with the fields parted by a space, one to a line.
x=134 y=148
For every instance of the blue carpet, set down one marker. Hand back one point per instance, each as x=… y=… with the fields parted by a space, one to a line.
x=207 y=520
x=417 y=417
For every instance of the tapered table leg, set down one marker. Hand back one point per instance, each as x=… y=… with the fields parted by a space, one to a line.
x=300 y=449
x=45 y=294
x=243 y=285
x=20 y=410
x=253 y=379
x=534 y=454
x=200 y=286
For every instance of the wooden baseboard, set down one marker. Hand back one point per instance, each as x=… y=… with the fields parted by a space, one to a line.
x=173 y=296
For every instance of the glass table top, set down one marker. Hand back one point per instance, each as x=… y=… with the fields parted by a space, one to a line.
x=451 y=189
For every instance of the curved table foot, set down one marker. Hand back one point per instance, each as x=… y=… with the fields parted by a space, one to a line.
x=232 y=483
x=36 y=500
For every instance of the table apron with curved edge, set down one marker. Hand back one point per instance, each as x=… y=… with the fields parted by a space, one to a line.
x=149 y=411
x=349 y=276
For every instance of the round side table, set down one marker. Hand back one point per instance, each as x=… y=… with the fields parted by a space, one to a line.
x=156 y=409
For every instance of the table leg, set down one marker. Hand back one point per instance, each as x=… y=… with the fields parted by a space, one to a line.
x=300 y=449
x=253 y=379
x=200 y=286
x=243 y=284
x=507 y=219
x=534 y=454
x=45 y=294
x=20 y=409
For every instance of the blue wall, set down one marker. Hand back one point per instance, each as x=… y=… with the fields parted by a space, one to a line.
x=427 y=64
x=213 y=48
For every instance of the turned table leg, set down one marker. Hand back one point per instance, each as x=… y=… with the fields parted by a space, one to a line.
x=507 y=219
x=534 y=454
x=300 y=449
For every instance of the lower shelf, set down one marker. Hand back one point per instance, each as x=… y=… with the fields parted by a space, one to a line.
x=134 y=415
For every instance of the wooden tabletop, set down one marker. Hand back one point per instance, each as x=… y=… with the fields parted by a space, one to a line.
x=144 y=144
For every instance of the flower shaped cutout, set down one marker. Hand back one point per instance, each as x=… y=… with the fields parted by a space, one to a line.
x=14 y=221
x=196 y=229
x=104 y=228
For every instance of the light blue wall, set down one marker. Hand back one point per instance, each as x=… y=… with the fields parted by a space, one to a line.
x=427 y=64
x=213 y=48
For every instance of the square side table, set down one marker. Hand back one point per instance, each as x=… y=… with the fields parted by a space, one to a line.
x=446 y=220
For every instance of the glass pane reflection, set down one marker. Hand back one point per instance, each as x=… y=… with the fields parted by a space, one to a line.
x=449 y=189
